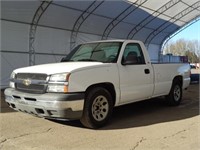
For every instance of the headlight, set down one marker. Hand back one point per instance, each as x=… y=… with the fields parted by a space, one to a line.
x=59 y=77
x=12 y=77
x=12 y=84
x=57 y=88
x=58 y=83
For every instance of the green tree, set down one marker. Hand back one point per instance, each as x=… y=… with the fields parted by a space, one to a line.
x=192 y=57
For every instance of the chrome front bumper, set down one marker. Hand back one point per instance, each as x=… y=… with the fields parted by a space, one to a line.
x=48 y=105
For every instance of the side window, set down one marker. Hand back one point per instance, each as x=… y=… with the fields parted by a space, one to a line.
x=133 y=54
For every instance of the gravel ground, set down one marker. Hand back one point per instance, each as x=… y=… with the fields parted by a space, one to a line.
x=147 y=125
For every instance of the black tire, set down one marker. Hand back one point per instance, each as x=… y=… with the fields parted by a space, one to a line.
x=175 y=96
x=98 y=108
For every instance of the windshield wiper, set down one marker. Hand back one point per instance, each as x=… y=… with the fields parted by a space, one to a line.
x=66 y=60
x=86 y=60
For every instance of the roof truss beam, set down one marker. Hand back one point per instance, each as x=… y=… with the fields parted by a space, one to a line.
x=36 y=18
x=149 y=18
x=166 y=24
x=188 y=24
x=121 y=17
x=81 y=19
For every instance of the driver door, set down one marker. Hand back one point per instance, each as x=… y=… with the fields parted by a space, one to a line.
x=136 y=77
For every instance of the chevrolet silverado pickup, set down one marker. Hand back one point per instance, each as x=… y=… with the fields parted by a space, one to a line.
x=94 y=78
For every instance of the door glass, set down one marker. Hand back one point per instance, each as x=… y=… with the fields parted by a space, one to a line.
x=133 y=54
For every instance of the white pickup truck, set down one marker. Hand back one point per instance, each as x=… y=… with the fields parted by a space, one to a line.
x=93 y=79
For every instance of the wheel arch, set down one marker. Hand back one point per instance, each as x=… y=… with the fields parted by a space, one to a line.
x=179 y=79
x=108 y=86
x=171 y=97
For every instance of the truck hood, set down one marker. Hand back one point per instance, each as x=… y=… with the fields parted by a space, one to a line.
x=57 y=67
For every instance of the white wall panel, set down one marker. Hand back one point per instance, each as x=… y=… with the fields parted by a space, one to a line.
x=190 y=16
x=137 y=15
x=95 y=24
x=59 y=17
x=9 y=62
x=154 y=4
x=121 y=30
x=44 y=59
x=53 y=41
x=74 y=4
x=14 y=36
x=111 y=8
x=142 y=35
x=159 y=39
x=154 y=51
x=19 y=10
x=82 y=37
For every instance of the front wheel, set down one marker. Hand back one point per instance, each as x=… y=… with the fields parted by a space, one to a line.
x=97 y=108
x=175 y=96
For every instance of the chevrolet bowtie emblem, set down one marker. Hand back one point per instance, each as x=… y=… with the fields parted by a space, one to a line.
x=26 y=82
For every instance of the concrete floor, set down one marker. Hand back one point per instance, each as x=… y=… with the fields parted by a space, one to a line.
x=145 y=125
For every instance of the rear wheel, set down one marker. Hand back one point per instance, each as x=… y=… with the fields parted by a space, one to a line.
x=175 y=96
x=97 y=108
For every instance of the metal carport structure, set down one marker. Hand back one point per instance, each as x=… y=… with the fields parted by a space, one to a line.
x=35 y=32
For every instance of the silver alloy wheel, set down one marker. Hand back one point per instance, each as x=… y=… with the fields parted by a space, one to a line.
x=100 y=108
x=177 y=93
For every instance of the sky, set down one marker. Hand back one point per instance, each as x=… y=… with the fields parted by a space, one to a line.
x=190 y=33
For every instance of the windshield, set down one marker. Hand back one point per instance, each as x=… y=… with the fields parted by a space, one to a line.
x=106 y=52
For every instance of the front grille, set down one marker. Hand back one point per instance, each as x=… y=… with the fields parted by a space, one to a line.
x=32 y=88
x=35 y=76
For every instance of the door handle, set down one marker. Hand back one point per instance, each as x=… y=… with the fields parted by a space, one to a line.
x=146 y=71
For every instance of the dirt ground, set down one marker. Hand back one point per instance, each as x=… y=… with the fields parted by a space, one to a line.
x=147 y=125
